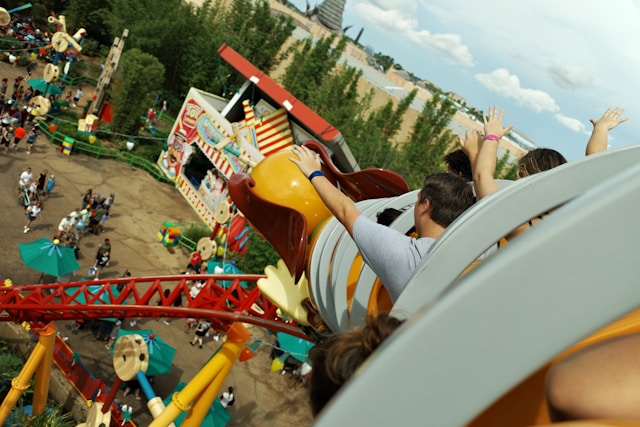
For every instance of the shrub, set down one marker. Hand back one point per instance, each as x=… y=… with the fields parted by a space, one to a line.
x=10 y=366
x=196 y=232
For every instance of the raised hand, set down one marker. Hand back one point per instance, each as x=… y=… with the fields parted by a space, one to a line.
x=471 y=144
x=601 y=127
x=610 y=119
x=493 y=124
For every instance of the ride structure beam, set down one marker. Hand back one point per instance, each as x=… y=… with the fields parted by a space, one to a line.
x=223 y=299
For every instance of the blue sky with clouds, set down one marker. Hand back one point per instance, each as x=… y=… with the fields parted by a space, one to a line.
x=552 y=64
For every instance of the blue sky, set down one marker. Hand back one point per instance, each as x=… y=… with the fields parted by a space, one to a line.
x=551 y=64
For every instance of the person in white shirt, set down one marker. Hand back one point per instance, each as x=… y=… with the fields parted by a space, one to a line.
x=32 y=212
x=64 y=226
x=227 y=398
x=25 y=178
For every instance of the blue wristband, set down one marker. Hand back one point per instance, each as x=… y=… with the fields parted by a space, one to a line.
x=314 y=174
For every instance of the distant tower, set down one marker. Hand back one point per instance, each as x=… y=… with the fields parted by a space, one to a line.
x=357 y=40
x=330 y=14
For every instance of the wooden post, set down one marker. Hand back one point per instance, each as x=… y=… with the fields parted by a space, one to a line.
x=110 y=67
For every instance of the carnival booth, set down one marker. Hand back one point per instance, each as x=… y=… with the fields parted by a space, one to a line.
x=212 y=139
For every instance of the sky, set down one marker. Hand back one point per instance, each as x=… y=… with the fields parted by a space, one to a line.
x=551 y=64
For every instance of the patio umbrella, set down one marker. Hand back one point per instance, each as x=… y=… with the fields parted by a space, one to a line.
x=297 y=348
x=216 y=267
x=44 y=87
x=93 y=290
x=160 y=353
x=48 y=257
x=217 y=415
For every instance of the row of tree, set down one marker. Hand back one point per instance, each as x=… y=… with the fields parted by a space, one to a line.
x=173 y=46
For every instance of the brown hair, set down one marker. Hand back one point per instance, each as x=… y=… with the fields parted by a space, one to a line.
x=539 y=160
x=336 y=359
x=449 y=196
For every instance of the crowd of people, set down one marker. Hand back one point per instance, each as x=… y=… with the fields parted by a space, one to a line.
x=91 y=218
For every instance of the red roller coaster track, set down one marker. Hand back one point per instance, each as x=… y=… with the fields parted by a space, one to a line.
x=144 y=297
x=137 y=297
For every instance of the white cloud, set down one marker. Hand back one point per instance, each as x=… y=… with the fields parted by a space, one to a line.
x=393 y=20
x=573 y=124
x=400 y=19
x=502 y=82
x=570 y=78
x=450 y=45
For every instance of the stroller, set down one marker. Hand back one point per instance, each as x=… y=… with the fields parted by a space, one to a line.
x=24 y=197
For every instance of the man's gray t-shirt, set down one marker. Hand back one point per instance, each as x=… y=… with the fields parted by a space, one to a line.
x=392 y=255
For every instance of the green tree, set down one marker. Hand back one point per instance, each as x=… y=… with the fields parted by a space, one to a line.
x=505 y=169
x=429 y=140
x=186 y=39
x=259 y=254
x=315 y=77
x=139 y=77
x=384 y=60
x=88 y=15
x=373 y=147
x=311 y=65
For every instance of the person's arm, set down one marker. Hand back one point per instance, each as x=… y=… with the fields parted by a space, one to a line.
x=486 y=162
x=341 y=206
x=471 y=145
x=609 y=120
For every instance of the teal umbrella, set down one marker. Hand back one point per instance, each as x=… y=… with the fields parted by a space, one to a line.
x=228 y=268
x=160 y=353
x=217 y=416
x=44 y=87
x=48 y=257
x=93 y=290
x=297 y=348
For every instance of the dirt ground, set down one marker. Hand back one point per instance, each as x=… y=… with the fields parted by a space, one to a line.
x=141 y=205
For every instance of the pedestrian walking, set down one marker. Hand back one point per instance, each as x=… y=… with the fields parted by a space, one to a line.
x=32 y=212
x=30 y=140
x=201 y=330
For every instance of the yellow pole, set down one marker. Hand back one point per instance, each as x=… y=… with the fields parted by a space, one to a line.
x=21 y=382
x=43 y=374
x=203 y=402
x=221 y=362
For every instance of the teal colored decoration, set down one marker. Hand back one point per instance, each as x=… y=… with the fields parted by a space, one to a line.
x=44 y=87
x=254 y=346
x=81 y=298
x=228 y=268
x=297 y=348
x=217 y=416
x=48 y=258
x=160 y=353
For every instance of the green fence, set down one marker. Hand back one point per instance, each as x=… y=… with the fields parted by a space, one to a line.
x=131 y=160
x=103 y=152
x=73 y=81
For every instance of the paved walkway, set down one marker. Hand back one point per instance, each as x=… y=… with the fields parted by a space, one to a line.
x=141 y=205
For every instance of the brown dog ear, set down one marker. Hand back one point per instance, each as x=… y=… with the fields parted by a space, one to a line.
x=285 y=228
x=364 y=184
